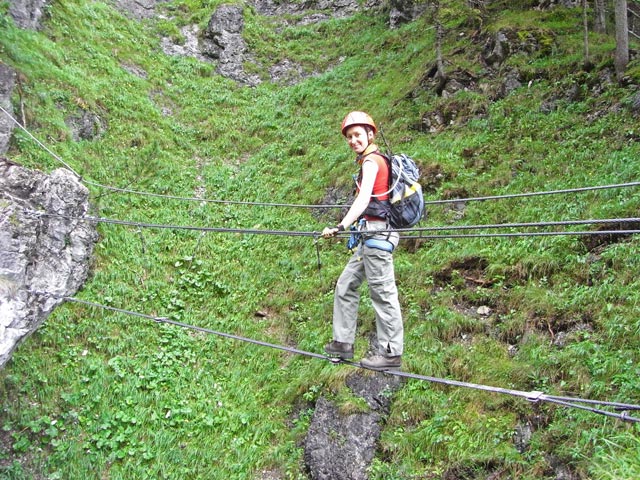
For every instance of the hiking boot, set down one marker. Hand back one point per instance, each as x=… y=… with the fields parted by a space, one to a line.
x=380 y=362
x=339 y=349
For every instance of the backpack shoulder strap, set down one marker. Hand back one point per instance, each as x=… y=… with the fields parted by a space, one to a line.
x=387 y=161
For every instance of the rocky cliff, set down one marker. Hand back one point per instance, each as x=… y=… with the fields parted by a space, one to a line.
x=45 y=247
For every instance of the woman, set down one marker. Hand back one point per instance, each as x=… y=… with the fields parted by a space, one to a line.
x=373 y=257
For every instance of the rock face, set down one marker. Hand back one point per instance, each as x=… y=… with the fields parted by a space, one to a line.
x=342 y=446
x=27 y=13
x=138 y=9
x=405 y=11
x=85 y=125
x=45 y=244
x=7 y=84
x=223 y=42
x=330 y=8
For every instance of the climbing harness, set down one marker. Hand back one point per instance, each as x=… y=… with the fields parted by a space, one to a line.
x=356 y=236
x=378 y=244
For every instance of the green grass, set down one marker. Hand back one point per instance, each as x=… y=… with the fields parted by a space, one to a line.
x=99 y=394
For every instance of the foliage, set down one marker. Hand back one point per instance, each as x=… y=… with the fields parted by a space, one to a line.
x=101 y=394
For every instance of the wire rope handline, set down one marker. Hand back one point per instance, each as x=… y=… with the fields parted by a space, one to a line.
x=211 y=200
x=40 y=144
x=327 y=206
x=532 y=194
x=520 y=234
x=254 y=231
x=297 y=233
x=603 y=221
x=556 y=223
x=532 y=396
x=306 y=206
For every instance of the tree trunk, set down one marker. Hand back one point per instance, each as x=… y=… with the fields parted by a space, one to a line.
x=600 y=10
x=622 y=39
x=585 y=24
x=441 y=76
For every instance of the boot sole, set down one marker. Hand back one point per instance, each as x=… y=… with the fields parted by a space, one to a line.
x=341 y=356
x=382 y=369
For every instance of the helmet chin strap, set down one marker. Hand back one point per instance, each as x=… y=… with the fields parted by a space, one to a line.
x=367 y=150
x=372 y=147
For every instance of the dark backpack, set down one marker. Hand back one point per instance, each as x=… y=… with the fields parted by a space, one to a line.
x=405 y=206
x=405 y=193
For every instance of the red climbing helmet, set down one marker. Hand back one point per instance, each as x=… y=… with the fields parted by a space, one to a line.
x=358 y=118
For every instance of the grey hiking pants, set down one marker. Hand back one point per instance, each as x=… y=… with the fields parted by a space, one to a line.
x=376 y=267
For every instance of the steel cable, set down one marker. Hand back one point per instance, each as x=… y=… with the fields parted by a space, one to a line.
x=40 y=144
x=294 y=233
x=532 y=396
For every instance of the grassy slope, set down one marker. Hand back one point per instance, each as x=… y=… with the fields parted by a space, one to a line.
x=102 y=395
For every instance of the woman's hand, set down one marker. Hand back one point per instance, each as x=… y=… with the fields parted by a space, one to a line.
x=329 y=232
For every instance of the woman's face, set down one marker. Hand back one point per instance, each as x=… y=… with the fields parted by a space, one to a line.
x=358 y=138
